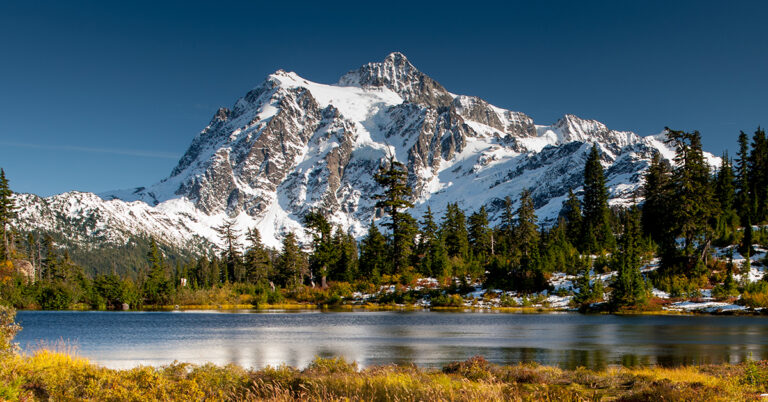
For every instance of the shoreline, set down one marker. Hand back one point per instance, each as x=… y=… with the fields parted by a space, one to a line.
x=360 y=308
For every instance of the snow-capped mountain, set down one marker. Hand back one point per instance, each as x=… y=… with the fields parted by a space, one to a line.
x=291 y=145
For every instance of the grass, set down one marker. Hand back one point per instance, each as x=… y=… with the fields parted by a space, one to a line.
x=49 y=375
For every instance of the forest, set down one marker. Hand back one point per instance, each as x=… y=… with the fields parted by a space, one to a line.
x=691 y=223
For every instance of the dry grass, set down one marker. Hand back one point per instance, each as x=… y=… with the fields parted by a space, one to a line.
x=46 y=375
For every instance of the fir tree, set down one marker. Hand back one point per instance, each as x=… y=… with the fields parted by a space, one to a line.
x=507 y=227
x=528 y=275
x=345 y=266
x=596 y=233
x=396 y=197
x=7 y=214
x=291 y=266
x=157 y=287
x=758 y=170
x=258 y=265
x=743 y=195
x=373 y=254
x=629 y=288
x=325 y=253
x=231 y=252
x=480 y=235
x=572 y=213
x=427 y=238
x=656 y=209
x=693 y=196
x=727 y=220
x=453 y=230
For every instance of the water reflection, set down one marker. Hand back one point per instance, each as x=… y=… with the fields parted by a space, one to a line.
x=426 y=339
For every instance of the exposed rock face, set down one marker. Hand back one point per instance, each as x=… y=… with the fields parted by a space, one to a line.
x=26 y=269
x=291 y=145
x=399 y=75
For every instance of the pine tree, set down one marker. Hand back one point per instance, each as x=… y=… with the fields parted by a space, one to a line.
x=656 y=209
x=743 y=193
x=526 y=229
x=373 y=254
x=507 y=227
x=427 y=238
x=231 y=252
x=693 y=196
x=291 y=266
x=727 y=220
x=258 y=265
x=629 y=288
x=758 y=171
x=597 y=234
x=157 y=287
x=453 y=231
x=346 y=265
x=50 y=262
x=528 y=276
x=393 y=178
x=480 y=235
x=7 y=214
x=324 y=253
x=572 y=213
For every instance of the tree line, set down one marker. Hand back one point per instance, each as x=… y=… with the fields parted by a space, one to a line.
x=687 y=211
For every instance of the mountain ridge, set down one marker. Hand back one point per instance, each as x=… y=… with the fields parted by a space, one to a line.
x=290 y=145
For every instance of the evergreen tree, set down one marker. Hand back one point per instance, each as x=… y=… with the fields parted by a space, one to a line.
x=346 y=265
x=597 y=233
x=629 y=288
x=588 y=290
x=258 y=265
x=572 y=213
x=291 y=266
x=743 y=193
x=373 y=254
x=50 y=263
x=528 y=275
x=656 y=209
x=526 y=229
x=7 y=214
x=427 y=238
x=758 y=170
x=507 y=227
x=453 y=230
x=396 y=197
x=480 y=235
x=324 y=253
x=693 y=196
x=157 y=287
x=231 y=252
x=725 y=193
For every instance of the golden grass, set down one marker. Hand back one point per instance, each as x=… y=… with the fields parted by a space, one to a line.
x=47 y=375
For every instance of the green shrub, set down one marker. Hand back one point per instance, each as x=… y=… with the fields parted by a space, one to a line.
x=8 y=330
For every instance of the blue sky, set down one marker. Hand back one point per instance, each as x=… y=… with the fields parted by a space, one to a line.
x=104 y=95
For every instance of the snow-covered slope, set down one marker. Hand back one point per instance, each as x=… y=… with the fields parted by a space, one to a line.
x=291 y=145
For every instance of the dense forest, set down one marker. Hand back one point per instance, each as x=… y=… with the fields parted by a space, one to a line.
x=693 y=220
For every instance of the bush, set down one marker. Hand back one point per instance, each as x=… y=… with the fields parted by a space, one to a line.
x=55 y=296
x=444 y=300
x=473 y=369
x=8 y=330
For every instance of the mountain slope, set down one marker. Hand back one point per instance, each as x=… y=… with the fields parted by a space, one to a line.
x=291 y=145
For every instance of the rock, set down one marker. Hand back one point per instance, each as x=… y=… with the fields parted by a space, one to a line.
x=26 y=269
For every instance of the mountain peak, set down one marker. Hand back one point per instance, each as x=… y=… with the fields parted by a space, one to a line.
x=398 y=74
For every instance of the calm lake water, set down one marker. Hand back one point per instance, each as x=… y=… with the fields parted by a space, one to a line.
x=258 y=339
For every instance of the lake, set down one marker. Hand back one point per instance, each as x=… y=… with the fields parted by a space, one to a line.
x=430 y=339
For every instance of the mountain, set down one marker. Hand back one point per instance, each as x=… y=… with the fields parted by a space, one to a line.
x=291 y=145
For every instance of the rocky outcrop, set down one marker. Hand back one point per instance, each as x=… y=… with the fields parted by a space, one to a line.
x=26 y=269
